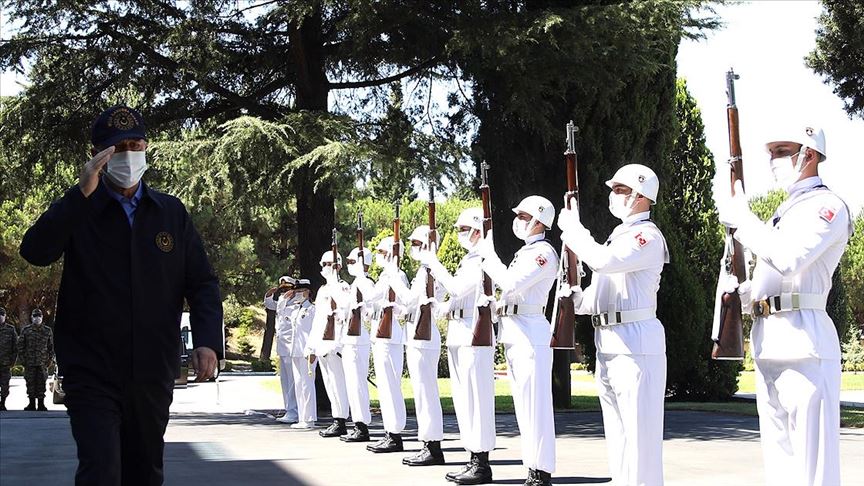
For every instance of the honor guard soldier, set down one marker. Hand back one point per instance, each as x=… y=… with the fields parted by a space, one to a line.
x=388 y=352
x=283 y=297
x=422 y=356
x=526 y=333
x=631 y=344
x=36 y=345
x=300 y=313
x=793 y=339
x=8 y=353
x=356 y=349
x=471 y=367
x=326 y=351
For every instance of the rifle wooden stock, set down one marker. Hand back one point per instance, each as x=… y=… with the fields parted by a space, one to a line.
x=357 y=314
x=423 y=331
x=482 y=335
x=330 y=329
x=730 y=342
x=385 y=325
x=564 y=333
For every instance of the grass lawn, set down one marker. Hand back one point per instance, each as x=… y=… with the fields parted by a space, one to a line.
x=848 y=381
x=584 y=399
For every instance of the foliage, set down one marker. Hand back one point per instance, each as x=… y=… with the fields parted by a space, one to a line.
x=837 y=55
x=853 y=352
x=852 y=267
x=244 y=347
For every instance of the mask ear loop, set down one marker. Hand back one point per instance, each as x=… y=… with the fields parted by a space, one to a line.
x=802 y=156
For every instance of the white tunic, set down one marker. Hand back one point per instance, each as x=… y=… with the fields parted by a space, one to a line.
x=382 y=291
x=293 y=325
x=464 y=288
x=411 y=299
x=316 y=344
x=370 y=296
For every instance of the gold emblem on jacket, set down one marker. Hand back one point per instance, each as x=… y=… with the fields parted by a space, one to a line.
x=165 y=242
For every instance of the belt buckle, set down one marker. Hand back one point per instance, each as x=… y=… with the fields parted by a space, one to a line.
x=761 y=308
x=596 y=321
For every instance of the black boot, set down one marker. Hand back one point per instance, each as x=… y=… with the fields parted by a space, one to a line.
x=359 y=434
x=480 y=471
x=2 y=404
x=336 y=429
x=391 y=443
x=451 y=476
x=32 y=406
x=41 y=406
x=537 y=477
x=431 y=455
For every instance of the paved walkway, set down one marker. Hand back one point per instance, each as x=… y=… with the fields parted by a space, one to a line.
x=213 y=440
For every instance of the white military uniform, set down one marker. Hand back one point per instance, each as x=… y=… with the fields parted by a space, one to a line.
x=472 y=376
x=389 y=358
x=356 y=349
x=797 y=352
x=328 y=351
x=631 y=355
x=290 y=346
x=525 y=333
x=422 y=356
x=285 y=338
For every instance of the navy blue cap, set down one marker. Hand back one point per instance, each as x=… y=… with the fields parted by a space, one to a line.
x=115 y=124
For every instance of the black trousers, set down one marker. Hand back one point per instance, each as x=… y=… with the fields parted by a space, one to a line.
x=119 y=430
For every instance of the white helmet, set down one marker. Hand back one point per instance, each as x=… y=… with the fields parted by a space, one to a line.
x=421 y=234
x=367 y=255
x=386 y=244
x=327 y=257
x=639 y=178
x=471 y=217
x=807 y=136
x=539 y=208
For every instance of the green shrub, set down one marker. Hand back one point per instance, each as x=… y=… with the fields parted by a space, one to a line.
x=853 y=353
x=244 y=347
x=262 y=365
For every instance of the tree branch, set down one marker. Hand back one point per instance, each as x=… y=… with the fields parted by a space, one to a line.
x=389 y=79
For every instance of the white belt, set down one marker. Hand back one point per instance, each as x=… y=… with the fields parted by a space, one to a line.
x=459 y=313
x=788 y=302
x=608 y=319
x=520 y=309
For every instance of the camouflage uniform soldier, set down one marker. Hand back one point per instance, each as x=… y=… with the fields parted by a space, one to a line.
x=36 y=345
x=8 y=353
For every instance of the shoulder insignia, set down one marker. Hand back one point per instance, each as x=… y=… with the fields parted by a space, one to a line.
x=828 y=214
x=541 y=260
x=641 y=240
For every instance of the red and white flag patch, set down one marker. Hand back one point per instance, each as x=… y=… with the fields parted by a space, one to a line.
x=541 y=261
x=641 y=240
x=828 y=214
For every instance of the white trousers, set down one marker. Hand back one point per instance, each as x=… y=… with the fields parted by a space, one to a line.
x=632 y=388
x=334 y=384
x=355 y=362
x=304 y=389
x=799 y=420
x=472 y=380
x=423 y=369
x=289 y=396
x=389 y=360
x=531 y=382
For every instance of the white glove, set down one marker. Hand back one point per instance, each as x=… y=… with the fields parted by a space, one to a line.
x=486 y=247
x=483 y=300
x=574 y=292
x=442 y=309
x=744 y=294
x=568 y=219
x=733 y=211
x=427 y=257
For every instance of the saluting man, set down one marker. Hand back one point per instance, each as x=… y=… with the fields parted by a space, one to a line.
x=283 y=296
x=388 y=353
x=355 y=349
x=36 y=345
x=793 y=340
x=8 y=353
x=422 y=356
x=301 y=314
x=526 y=333
x=472 y=375
x=327 y=351
x=631 y=344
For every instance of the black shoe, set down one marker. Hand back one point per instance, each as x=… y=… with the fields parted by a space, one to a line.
x=41 y=406
x=391 y=443
x=478 y=473
x=3 y=405
x=336 y=429
x=537 y=477
x=431 y=455
x=360 y=433
x=32 y=406
x=451 y=476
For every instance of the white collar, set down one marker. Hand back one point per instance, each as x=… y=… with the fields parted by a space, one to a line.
x=804 y=185
x=633 y=218
x=535 y=238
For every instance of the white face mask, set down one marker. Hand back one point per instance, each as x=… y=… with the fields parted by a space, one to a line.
x=785 y=171
x=126 y=168
x=464 y=239
x=37 y=320
x=415 y=253
x=521 y=228
x=328 y=272
x=356 y=269
x=618 y=205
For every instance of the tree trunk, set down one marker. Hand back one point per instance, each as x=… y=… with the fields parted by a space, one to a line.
x=269 y=332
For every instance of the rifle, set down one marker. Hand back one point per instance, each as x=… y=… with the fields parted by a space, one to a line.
x=357 y=314
x=330 y=330
x=570 y=272
x=423 y=331
x=483 y=325
x=729 y=335
x=385 y=325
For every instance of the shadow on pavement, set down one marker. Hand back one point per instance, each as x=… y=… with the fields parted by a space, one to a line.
x=184 y=464
x=557 y=480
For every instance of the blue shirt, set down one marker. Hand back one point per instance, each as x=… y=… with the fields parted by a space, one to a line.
x=129 y=204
